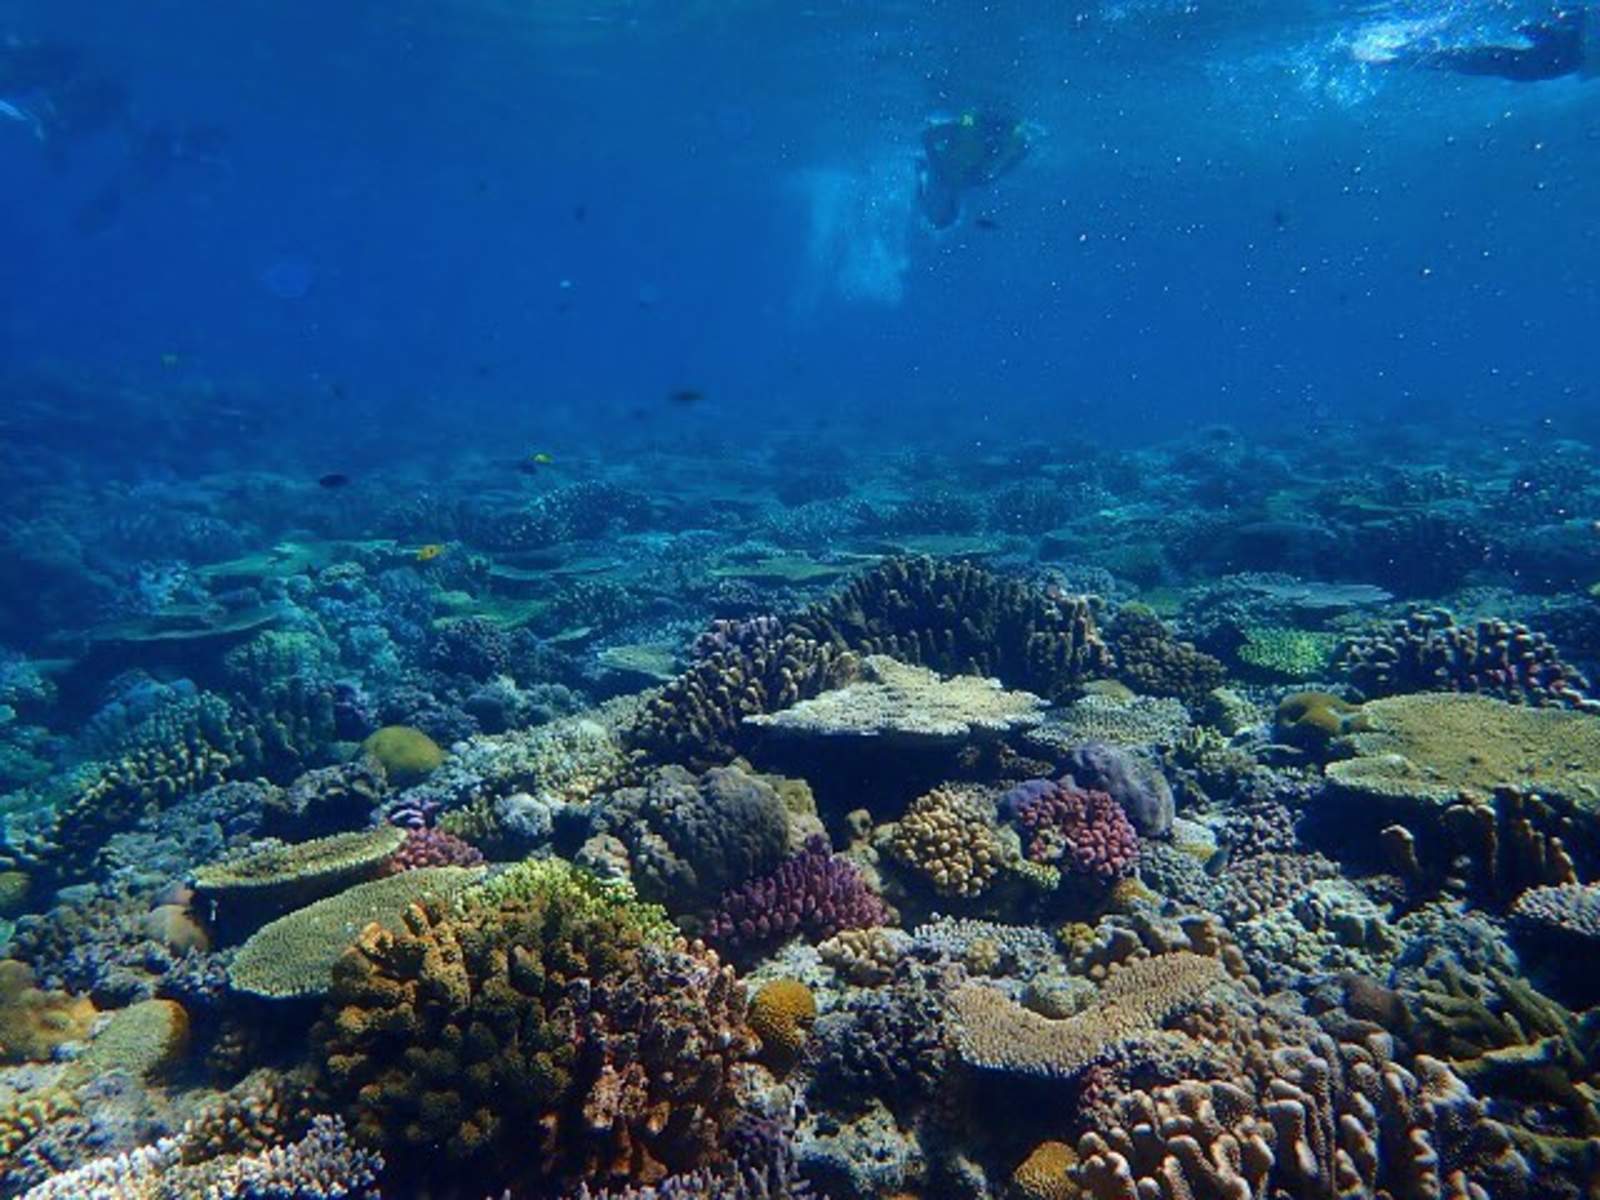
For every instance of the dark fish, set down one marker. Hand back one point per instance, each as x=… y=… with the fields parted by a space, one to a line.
x=1280 y=219
x=686 y=396
x=986 y=223
x=333 y=480
x=580 y=212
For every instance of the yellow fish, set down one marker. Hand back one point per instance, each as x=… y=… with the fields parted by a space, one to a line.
x=429 y=552
x=541 y=457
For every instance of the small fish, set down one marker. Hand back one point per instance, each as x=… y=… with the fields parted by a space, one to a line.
x=429 y=552
x=332 y=480
x=686 y=396
x=541 y=457
x=170 y=360
x=534 y=463
x=986 y=222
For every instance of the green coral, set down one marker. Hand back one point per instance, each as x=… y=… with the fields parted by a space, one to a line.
x=294 y=955
x=406 y=755
x=540 y=880
x=1285 y=652
x=1311 y=720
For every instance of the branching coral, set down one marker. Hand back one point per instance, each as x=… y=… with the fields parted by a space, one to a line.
x=813 y=893
x=1428 y=651
x=536 y=1034
x=957 y=618
x=948 y=837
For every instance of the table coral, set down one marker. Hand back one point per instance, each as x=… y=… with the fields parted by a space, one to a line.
x=1428 y=748
x=906 y=705
x=294 y=955
x=994 y=1033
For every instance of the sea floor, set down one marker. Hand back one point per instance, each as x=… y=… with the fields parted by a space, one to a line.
x=1217 y=819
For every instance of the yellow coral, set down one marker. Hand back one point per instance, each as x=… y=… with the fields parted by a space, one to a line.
x=782 y=1012
x=34 y=1022
x=1043 y=1174
x=405 y=754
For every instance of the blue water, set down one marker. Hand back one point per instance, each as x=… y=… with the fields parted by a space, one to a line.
x=528 y=213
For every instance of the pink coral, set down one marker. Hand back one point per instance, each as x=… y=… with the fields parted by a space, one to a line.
x=1077 y=829
x=431 y=848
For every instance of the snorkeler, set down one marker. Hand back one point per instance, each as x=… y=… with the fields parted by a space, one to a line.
x=958 y=155
x=1567 y=42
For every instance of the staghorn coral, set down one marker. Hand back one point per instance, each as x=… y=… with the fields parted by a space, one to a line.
x=1082 y=831
x=537 y=1036
x=813 y=893
x=958 y=618
x=994 y=1033
x=949 y=839
x=1428 y=651
x=1285 y=652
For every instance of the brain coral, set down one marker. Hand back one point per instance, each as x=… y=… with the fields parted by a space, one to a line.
x=536 y=1038
x=406 y=755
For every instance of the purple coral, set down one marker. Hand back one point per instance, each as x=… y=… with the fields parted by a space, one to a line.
x=812 y=893
x=1080 y=830
x=431 y=848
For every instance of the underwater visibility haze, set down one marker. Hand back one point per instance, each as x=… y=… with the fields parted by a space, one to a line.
x=745 y=600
